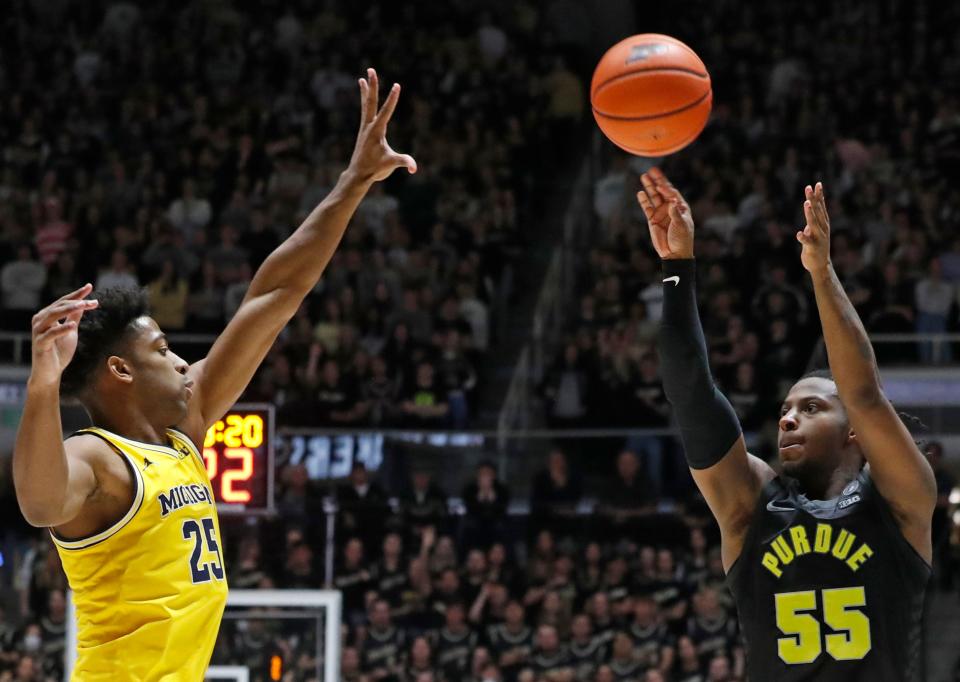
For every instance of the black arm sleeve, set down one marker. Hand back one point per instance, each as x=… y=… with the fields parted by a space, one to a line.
x=708 y=425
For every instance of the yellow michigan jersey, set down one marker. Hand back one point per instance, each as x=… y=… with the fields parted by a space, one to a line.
x=150 y=590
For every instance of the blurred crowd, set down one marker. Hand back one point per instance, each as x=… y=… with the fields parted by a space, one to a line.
x=451 y=586
x=173 y=148
x=820 y=98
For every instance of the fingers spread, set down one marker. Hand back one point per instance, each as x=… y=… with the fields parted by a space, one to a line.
x=364 y=96
x=645 y=204
x=56 y=331
x=659 y=177
x=388 y=107
x=374 y=103
x=808 y=213
x=79 y=293
x=61 y=309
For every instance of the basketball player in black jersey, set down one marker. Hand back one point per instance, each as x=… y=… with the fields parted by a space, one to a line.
x=827 y=561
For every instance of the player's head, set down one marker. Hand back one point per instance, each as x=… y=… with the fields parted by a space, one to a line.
x=815 y=438
x=122 y=357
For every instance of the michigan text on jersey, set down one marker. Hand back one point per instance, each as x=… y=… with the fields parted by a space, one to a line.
x=182 y=496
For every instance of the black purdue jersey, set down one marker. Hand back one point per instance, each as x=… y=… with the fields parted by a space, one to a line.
x=828 y=590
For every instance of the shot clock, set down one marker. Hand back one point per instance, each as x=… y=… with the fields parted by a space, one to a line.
x=238 y=452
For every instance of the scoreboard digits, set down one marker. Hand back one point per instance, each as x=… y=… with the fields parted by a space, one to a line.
x=238 y=452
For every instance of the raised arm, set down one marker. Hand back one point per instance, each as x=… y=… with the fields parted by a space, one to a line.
x=729 y=478
x=51 y=486
x=898 y=468
x=291 y=271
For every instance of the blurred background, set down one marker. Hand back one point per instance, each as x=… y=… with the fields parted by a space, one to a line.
x=471 y=439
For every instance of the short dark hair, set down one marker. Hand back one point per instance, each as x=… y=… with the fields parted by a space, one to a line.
x=101 y=331
x=913 y=423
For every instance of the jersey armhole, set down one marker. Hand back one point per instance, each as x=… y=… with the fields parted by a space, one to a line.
x=766 y=493
x=97 y=538
x=888 y=519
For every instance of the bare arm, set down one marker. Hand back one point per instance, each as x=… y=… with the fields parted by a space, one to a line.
x=51 y=487
x=731 y=485
x=901 y=472
x=731 y=488
x=292 y=270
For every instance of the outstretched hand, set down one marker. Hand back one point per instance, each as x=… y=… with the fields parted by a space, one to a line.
x=815 y=236
x=668 y=216
x=373 y=157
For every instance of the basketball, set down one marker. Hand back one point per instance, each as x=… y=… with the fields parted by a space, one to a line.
x=651 y=95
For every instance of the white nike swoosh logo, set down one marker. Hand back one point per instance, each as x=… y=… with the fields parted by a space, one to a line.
x=675 y=279
x=777 y=508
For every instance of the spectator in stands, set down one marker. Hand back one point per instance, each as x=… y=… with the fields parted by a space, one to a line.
x=627 y=499
x=566 y=390
x=474 y=574
x=712 y=630
x=623 y=660
x=300 y=572
x=189 y=213
x=424 y=503
x=118 y=274
x=933 y=299
x=28 y=669
x=419 y=660
x=555 y=494
x=63 y=277
x=379 y=394
x=457 y=377
x=350 y=665
x=511 y=642
x=53 y=628
x=205 y=301
x=383 y=649
x=424 y=404
x=168 y=298
x=363 y=505
x=390 y=575
x=248 y=572
x=654 y=643
x=486 y=500
x=21 y=282
x=455 y=642
x=747 y=397
x=687 y=667
x=647 y=407
x=549 y=660
x=336 y=399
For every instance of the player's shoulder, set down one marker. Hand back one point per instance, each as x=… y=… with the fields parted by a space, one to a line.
x=88 y=446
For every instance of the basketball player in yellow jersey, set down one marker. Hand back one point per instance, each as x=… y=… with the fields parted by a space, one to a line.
x=128 y=502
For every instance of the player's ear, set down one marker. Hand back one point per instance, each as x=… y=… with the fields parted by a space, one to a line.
x=120 y=369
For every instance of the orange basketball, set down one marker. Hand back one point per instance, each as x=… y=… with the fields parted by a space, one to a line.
x=651 y=95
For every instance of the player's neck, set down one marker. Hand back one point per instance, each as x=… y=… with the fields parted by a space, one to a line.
x=830 y=485
x=128 y=421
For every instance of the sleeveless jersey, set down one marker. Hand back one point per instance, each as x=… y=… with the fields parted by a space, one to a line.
x=828 y=590
x=150 y=590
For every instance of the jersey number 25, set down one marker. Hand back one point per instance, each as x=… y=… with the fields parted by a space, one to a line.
x=200 y=571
